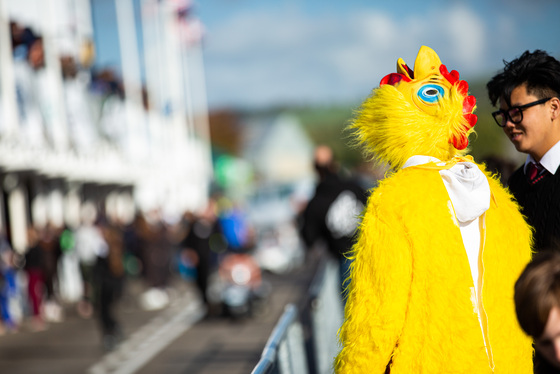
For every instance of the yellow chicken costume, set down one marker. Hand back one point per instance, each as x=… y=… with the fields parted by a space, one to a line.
x=441 y=242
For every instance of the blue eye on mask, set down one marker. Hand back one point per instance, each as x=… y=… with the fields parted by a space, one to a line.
x=430 y=93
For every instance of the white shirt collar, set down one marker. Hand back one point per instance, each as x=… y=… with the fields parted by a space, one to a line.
x=550 y=161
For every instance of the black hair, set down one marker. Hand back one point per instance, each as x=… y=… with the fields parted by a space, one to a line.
x=538 y=70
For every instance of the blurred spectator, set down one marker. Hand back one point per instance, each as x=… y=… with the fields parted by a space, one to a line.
x=537 y=303
x=134 y=265
x=87 y=54
x=156 y=252
x=333 y=213
x=204 y=242
x=137 y=239
x=35 y=279
x=22 y=37
x=150 y=241
x=108 y=91
x=69 y=277
x=29 y=79
x=9 y=315
x=36 y=54
x=51 y=252
x=182 y=263
x=89 y=243
x=108 y=279
x=236 y=228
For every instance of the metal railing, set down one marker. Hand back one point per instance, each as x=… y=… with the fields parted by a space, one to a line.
x=326 y=315
x=287 y=351
x=284 y=350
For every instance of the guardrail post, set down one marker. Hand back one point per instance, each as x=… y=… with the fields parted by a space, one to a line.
x=326 y=318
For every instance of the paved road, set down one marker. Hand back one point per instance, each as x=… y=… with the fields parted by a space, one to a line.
x=173 y=340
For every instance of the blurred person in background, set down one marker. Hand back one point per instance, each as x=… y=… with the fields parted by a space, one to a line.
x=537 y=303
x=184 y=266
x=49 y=244
x=333 y=213
x=108 y=94
x=239 y=233
x=69 y=282
x=89 y=243
x=108 y=280
x=21 y=36
x=202 y=245
x=150 y=241
x=28 y=73
x=159 y=251
x=9 y=318
x=35 y=279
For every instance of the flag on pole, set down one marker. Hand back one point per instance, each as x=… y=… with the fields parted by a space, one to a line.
x=191 y=31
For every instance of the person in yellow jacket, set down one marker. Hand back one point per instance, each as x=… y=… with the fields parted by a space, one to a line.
x=441 y=242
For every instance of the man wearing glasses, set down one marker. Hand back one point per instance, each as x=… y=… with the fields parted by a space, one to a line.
x=528 y=93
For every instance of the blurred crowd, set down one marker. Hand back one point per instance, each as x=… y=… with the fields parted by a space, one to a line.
x=92 y=99
x=85 y=266
x=85 y=269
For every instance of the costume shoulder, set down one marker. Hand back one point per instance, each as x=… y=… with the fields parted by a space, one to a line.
x=403 y=188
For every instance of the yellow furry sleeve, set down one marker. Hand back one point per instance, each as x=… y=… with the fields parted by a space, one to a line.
x=381 y=275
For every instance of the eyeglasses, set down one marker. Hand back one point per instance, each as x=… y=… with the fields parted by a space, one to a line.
x=515 y=113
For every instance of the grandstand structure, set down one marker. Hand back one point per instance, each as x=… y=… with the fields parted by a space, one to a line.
x=126 y=138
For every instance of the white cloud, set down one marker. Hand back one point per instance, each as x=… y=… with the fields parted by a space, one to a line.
x=456 y=33
x=466 y=32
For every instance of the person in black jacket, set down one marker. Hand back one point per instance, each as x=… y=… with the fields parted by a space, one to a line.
x=203 y=244
x=333 y=213
x=108 y=283
x=528 y=92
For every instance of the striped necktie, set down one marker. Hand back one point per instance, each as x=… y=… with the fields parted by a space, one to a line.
x=534 y=172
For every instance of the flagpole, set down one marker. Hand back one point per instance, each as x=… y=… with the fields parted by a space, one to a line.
x=150 y=11
x=130 y=71
x=204 y=123
x=56 y=118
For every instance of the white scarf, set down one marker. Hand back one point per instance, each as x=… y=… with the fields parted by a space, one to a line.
x=469 y=192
